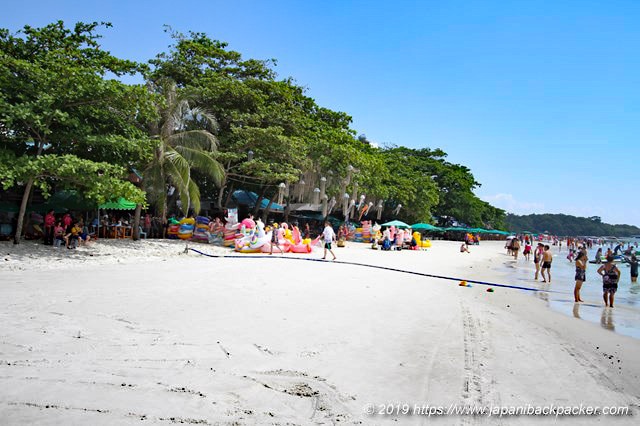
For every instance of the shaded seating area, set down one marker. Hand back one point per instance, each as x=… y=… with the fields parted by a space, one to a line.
x=112 y=229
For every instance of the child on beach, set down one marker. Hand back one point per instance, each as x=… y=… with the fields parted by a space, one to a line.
x=464 y=248
x=581 y=269
x=599 y=256
x=274 y=239
x=610 y=277
x=570 y=255
x=71 y=239
x=527 y=250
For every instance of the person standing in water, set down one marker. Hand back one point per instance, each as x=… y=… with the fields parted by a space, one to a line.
x=581 y=272
x=633 y=263
x=610 y=277
x=537 y=259
x=515 y=247
x=547 y=258
x=599 y=256
x=329 y=236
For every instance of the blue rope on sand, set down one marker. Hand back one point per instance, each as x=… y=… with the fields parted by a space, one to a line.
x=386 y=268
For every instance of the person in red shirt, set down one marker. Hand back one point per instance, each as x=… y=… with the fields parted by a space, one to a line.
x=66 y=221
x=49 y=223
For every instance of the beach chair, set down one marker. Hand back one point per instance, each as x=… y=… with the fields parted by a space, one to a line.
x=142 y=233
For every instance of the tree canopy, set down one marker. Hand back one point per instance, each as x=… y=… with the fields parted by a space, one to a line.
x=65 y=113
x=566 y=225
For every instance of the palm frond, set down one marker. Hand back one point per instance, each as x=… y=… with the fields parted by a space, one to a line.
x=203 y=162
x=177 y=168
x=154 y=182
x=194 y=196
x=198 y=139
x=210 y=119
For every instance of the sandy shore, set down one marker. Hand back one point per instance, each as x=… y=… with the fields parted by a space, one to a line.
x=122 y=332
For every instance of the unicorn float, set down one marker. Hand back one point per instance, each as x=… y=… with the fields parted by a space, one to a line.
x=252 y=239
x=230 y=228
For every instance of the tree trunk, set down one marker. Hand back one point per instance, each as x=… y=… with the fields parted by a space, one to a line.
x=259 y=201
x=163 y=218
x=287 y=210
x=220 y=195
x=229 y=194
x=136 y=223
x=23 y=210
x=265 y=214
x=25 y=199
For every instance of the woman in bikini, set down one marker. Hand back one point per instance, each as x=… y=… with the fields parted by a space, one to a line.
x=610 y=277
x=581 y=272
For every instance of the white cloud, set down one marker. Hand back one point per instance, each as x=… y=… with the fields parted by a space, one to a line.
x=509 y=203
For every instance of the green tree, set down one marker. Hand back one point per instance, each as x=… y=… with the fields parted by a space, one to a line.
x=183 y=143
x=55 y=101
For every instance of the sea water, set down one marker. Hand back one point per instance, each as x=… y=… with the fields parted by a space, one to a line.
x=624 y=318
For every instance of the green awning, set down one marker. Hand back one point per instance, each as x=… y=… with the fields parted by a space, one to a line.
x=457 y=229
x=495 y=231
x=425 y=227
x=121 y=204
x=397 y=224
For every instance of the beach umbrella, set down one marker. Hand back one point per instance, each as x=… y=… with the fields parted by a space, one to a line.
x=425 y=227
x=496 y=231
x=397 y=224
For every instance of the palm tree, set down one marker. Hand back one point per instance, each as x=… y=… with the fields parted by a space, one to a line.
x=184 y=143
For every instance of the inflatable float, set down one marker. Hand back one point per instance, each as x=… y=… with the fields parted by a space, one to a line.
x=252 y=239
x=421 y=243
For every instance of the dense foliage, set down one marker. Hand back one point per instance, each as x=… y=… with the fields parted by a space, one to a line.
x=566 y=225
x=62 y=116
x=206 y=122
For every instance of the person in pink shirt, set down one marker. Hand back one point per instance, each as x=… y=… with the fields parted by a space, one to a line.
x=49 y=224
x=58 y=234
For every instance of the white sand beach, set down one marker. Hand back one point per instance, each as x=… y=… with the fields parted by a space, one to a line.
x=123 y=332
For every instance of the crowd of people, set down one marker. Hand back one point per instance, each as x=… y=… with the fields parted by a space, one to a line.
x=577 y=248
x=65 y=230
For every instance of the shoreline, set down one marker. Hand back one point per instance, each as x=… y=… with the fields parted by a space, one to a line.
x=255 y=341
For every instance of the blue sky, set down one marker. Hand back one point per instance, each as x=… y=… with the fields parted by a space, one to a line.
x=541 y=99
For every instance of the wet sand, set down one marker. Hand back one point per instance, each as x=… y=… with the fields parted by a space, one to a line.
x=171 y=338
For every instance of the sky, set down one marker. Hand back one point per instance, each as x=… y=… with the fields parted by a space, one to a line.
x=540 y=99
